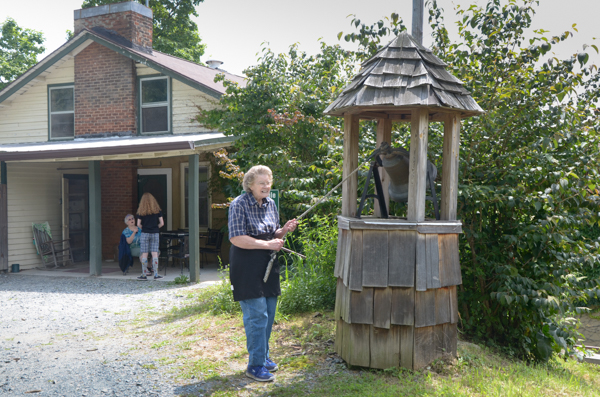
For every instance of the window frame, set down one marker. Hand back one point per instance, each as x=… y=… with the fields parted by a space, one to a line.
x=183 y=220
x=50 y=88
x=141 y=106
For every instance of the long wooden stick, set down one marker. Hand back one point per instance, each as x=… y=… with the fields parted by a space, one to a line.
x=274 y=254
x=328 y=194
x=289 y=251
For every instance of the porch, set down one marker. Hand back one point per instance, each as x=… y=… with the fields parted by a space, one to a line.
x=84 y=188
x=209 y=274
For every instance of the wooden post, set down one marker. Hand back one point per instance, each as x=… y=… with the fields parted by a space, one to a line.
x=417 y=20
x=350 y=187
x=194 y=219
x=450 y=167
x=418 y=164
x=3 y=218
x=95 y=219
x=384 y=134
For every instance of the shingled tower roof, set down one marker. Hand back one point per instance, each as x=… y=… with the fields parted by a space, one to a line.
x=402 y=75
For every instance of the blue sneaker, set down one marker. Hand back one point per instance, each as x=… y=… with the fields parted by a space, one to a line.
x=270 y=365
x=260 y=374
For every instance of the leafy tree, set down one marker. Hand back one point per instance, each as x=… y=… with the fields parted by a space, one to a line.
x=278 y=118
x=174 y=31
x=529 y=173
x=19 y=49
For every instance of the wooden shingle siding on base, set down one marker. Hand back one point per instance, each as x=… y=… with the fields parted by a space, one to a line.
x=400 y=286
x=382 y=356
x=401 y=258
x=382 y=307
x=355 y=272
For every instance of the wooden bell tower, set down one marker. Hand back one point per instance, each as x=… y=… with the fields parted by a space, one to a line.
x=396 y=301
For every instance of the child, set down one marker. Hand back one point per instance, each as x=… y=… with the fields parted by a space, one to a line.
x=150 y=220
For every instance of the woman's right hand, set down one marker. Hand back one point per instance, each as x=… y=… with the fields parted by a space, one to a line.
x=275 y=245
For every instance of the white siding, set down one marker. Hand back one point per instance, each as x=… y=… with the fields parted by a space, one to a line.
x=25 y=119
x=186 y=101
x=34 y=194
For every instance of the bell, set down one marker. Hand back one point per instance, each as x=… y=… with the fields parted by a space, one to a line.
x=396 y=162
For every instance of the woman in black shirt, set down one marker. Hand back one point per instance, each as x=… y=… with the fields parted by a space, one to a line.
x=150 y=220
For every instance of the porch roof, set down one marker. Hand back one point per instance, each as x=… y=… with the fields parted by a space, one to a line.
x=115 y=148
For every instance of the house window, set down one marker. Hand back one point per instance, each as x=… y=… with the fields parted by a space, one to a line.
x=204 y=198
x=61 y=112
x=155 y=112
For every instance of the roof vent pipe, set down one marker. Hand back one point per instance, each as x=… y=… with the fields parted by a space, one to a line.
x=213 y=63
x=148 y=3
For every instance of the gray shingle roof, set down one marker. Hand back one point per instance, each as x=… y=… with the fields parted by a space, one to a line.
x=193 y=74
x=403 y=74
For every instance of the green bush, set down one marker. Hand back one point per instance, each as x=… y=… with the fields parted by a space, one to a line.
x=221 y=299
x=309 y=284
x=529 y=179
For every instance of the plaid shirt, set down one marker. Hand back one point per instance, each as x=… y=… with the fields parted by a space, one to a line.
x=247 y=217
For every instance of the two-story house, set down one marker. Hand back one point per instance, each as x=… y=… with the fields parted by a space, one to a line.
x=95 y=124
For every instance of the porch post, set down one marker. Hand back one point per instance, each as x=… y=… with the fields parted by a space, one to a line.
x=194 y=219
x=95 y=219
x=3 y=218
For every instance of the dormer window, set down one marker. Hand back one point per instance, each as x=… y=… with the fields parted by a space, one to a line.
x=61 y=112
x=155 y=105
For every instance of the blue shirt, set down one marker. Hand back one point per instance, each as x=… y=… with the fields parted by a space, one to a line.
x=249 y=218
x=136 y=240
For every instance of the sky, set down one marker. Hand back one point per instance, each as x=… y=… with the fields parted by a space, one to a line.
x=235 y=31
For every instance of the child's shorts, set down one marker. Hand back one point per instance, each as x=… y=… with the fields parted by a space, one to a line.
x=149 y=242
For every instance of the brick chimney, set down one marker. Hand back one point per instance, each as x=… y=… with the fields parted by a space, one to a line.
x=105 y=81
x=130 y=20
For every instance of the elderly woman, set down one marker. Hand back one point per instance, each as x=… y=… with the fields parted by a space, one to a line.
x=254 y=232
x=129 y=246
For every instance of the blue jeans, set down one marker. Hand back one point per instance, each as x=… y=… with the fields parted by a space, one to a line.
x=259 y=315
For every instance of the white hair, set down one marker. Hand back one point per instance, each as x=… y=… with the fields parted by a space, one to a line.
x=252 y=173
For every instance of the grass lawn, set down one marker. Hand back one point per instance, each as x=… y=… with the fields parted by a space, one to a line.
x=206 y=353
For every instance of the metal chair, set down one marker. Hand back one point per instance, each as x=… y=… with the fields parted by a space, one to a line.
x=179 y=252
x=212 y=246
x=52 y=251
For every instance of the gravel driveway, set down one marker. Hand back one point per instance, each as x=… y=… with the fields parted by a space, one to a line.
x=60 y=336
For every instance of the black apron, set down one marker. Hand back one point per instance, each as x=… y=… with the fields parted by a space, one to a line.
x=247 y=269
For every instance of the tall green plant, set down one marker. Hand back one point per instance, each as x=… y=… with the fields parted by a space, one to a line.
x=309 y=284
